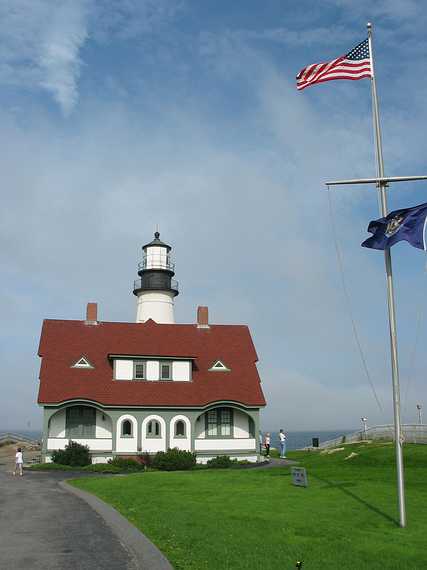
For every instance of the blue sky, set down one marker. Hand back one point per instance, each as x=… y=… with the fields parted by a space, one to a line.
x=118 y=116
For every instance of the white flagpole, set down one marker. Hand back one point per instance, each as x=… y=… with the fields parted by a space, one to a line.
x=390 y=296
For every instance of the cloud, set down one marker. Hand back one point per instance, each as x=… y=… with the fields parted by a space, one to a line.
x=40 y=46
x=132 y=19
x=41 y=42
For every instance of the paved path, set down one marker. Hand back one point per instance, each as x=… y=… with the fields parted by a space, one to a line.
x=276 y=462
x=43 y=527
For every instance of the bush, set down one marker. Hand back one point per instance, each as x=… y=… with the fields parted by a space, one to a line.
x=126 y=464
x=145 y=458
x=102 y=468
x=174 y=460
x=49 y=467
x=74 y=454
x=221 y=462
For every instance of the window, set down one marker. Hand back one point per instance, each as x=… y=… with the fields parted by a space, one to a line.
x=219 y=423
x=127 y=428
x=166 y=371
x=153 y=429
x=219 y=366
x=139 y=370
x=80 y=422
x=180 y=429
x=82 y=363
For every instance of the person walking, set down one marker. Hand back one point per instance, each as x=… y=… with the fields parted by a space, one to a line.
x=282 y=443
x=267 y=442
x=19 y=460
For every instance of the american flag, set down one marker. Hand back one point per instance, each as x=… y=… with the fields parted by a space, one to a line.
x=356 y=64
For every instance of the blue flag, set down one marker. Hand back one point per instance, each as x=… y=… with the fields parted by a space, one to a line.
x=407 y=224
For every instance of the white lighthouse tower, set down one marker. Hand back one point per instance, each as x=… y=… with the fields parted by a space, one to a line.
x=155 y=289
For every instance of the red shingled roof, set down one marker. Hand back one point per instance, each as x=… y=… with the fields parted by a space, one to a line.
x=62 y=343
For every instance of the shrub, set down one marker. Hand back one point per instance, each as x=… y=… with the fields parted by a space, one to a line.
x=126 y=464
x=74 y=454
x=174 y=460
x=145 y=459
x=102 y=468
x=221 y=462
x=49 y=467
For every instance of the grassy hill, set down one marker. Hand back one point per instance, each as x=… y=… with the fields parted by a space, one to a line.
x=250 y=519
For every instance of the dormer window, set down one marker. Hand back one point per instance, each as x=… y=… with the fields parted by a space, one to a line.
x=165 y=370
x=82 y=362
x=139 y=372
x=219 y=366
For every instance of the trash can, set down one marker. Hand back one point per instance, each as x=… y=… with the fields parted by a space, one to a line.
x=315 y=442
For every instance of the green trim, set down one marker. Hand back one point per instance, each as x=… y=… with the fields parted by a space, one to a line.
x=201 y=407
x=144 y=369
x=165 y=363
x=80 y=422
x=151 y=435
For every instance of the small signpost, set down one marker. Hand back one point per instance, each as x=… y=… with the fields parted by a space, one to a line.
x=299 y=476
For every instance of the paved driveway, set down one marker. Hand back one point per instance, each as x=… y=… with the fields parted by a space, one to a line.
x=42 y=526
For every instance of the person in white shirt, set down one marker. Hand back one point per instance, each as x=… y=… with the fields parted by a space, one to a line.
x=19 y=460
x=282 y=442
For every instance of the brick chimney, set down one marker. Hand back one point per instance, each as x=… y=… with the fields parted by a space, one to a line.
x=92 y=314
x=202 y=318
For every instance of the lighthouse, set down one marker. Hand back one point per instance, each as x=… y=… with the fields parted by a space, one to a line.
x=155 y=289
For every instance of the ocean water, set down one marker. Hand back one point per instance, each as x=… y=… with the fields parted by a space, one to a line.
x=299 y=439
x=34 y=434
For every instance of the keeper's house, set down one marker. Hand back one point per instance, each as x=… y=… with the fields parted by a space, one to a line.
x=131 y=388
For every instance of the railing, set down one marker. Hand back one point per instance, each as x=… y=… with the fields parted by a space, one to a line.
x=14 y=437
x=412 y=433
x=156 y=262
x=137 y=284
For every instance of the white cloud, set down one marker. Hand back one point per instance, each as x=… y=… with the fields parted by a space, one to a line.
x=40 y=45
x=41 y=41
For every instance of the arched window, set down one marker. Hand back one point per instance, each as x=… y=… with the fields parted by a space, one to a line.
x=127 y=428
x=153 y=429
x=180 y=429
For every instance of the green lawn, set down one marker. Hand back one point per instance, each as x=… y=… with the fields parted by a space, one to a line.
x=255 y=518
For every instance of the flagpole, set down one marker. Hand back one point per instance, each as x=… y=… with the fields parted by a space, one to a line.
x=390 y=295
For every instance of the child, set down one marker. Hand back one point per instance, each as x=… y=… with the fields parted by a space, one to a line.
x=267 y=441
x=18 y=462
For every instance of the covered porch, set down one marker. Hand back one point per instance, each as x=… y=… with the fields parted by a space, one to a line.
x=83 y=423
x=227 y=430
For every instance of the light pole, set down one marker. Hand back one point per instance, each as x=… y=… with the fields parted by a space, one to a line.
x=420 y=415
x=365 y=428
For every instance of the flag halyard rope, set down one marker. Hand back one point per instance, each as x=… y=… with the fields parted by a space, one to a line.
x=348 y=303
